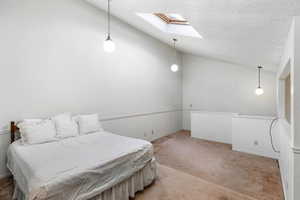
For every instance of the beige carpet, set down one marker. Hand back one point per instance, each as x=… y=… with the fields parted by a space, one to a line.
x=193 y=169
x=6 y=189
x=173 y=184
x=250 y=175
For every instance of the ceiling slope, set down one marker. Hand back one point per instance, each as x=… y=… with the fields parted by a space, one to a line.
x=246 y=32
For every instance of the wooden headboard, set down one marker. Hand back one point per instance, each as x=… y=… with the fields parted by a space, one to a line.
x=13 y=130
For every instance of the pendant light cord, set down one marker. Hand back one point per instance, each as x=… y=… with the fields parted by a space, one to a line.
x=108 y=18
x=259 y=77
x=174 y=46
x=259 y=68
x=174 y=41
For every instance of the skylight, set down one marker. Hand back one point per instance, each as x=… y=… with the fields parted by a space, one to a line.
x=172 y=18
x=170 y=23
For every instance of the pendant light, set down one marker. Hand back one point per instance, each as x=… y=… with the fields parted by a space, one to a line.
x=259 y=91
x=108 y=44
x=174 y=66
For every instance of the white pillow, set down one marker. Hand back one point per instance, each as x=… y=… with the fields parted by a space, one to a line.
x=37 y=132
x=65 y=125
x=89 y=124
x=26 y=122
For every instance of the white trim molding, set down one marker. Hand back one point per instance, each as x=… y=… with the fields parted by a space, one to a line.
x=4 y=131
x=296 y=150
x=116 y=117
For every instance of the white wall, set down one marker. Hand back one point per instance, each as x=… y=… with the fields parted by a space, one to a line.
x=285 y=159
x=286 y=136
x=251 y=134
x=290 y=145
x=213 y=85
x=52 y=61
x=213 y=126
x=246 y=133
x=295 y=82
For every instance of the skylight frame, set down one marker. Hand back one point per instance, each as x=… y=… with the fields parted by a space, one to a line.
x=186 y=30
x=169 y=20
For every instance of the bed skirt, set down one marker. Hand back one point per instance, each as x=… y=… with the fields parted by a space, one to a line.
x=121 y=191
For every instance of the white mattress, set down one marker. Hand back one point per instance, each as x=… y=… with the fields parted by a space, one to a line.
x=84 y=165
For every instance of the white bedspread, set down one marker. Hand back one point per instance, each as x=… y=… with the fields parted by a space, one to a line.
x=84 y=166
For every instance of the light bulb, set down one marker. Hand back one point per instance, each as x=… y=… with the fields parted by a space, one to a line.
x=174 y=68
x=259 y=91
x=108 y=45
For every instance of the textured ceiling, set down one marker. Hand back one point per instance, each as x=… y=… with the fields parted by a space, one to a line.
x=247 y=32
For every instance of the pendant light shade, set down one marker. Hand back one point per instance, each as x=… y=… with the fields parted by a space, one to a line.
x=108 y=45
x=174 y=67
x=259 y=91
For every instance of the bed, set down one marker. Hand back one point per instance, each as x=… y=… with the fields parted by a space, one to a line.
x=100 y=165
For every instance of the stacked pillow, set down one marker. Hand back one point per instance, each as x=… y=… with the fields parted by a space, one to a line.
x=65 y=125
x=36 y=131
x=89 y=124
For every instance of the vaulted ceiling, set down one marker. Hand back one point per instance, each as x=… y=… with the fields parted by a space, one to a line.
x=246 y=32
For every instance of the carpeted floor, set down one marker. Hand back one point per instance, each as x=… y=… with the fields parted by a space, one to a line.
x=6 y=189
x=193 y=169
x=174 y=184
x=253 y=176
